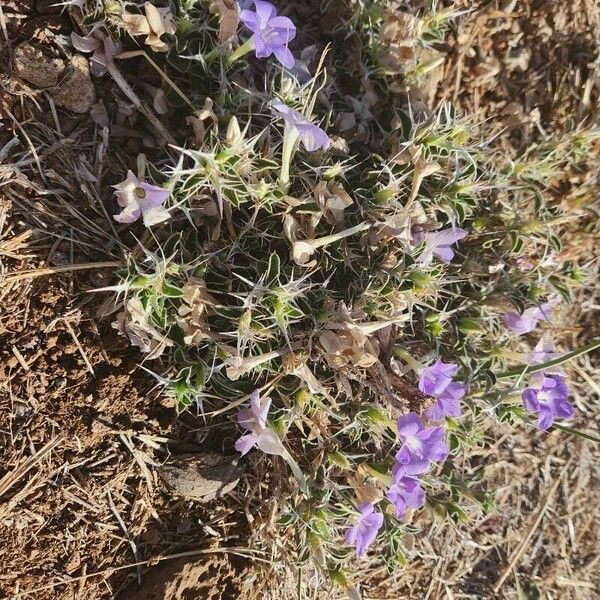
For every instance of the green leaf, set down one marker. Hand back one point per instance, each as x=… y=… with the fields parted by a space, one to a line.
x=170 y=291
x=274 y=267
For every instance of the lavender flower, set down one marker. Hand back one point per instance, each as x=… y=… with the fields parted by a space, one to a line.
x=528 y=321
x=544 y=351
x=548 y=397
x=435 y=379
x=311 y=135
x=437 y=243
x=139 y=198
x=254 y=419
x=272 y=34
x=364 y=531
x=447 y=403
x=421 y=446
x=406 y=492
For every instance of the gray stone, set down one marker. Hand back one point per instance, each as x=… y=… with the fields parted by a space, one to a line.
x=76 y=91
x=200 y=477
x=37 y=67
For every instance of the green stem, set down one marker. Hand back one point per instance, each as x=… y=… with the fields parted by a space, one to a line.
x=290 y=137
x=246 y=47
x=412 y=362
x=582 y=434
x=520 y=371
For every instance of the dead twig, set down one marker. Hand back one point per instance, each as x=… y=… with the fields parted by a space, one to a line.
x=31 y=273
x=12 y=477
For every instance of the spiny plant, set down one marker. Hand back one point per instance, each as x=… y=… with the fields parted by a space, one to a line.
x=359 y=304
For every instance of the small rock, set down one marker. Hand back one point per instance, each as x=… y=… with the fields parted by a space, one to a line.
x=36 y=67
x=76 y=91
x=201 y=477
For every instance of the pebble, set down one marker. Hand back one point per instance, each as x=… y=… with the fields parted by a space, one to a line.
x=76 y=91
x=36 y=67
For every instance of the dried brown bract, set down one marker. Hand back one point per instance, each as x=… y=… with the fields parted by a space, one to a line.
x=191 y=316
x=133 y=324
x=156 y=23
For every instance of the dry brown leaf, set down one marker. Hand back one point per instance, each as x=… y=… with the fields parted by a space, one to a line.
x=229 y=17
x=198 y=119
x=333 y=200
x=364 y=489
x=191 y=316
x=397 y=39
x=156 y=23
x=345 y=343
x=133 y=324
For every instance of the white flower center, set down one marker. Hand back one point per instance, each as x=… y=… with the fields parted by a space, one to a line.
x=414 y=443
x=268 y=33
x=543 y=397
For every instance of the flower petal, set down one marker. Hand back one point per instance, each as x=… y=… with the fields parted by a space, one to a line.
x=246 y=443
x=444 y=253
x=265 y=11
x=84 y=44
x=129 y=214
x=269 y=443
x=409 y=424
x=284 y=56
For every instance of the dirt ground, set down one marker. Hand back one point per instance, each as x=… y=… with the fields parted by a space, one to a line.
x=83 y=430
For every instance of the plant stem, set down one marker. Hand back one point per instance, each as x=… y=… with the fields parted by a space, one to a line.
x=520 y=371
x=246 y=47
x=290 y=137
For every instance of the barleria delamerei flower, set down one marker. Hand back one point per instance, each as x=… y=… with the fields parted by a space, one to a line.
x=548 y=396
x=365 y=529
x=437 y=381
x=254 y=419
x=138 y=198
x=447 y=403
x=528 y=320
x=406 y=492
x=298 y=128
x=271 y=33
x=421 y=446
x=437 y=243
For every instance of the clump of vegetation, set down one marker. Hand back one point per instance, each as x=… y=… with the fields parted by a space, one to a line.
x=352 y=280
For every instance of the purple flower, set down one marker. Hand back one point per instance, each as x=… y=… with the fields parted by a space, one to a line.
x=437 y=243
x=141 y=199
x=311 y=135
x=528 y=321
x=548 y=397
x=545 y=351
x=272 y=34
x=365 y=529
x=421 y=446
x=435 y=379
x=447 y=403
x=406 y=492
x=254 y=419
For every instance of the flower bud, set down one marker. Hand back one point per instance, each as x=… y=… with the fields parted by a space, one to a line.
x=234 y=134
